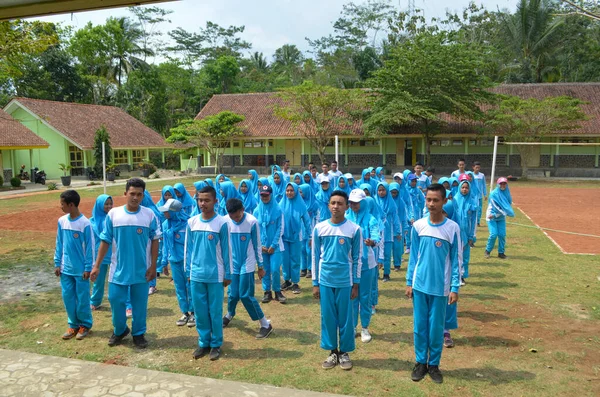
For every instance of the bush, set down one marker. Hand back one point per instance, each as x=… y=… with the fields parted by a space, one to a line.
x=15 y=182
x=147 y=166
x=52 y=186
x=156 y=175
x=1 y=180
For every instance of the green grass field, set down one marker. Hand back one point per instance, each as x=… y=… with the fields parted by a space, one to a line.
x=538 y=299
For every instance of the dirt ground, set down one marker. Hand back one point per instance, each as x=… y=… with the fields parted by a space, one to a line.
x=572 y=210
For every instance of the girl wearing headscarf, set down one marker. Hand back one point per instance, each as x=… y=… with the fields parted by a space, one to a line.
x=391 y=225
x=198 y=186
x=259 y=184
x=187 y=201
x=404 y=195
x=351 y=182
x=376 y=213
x=174 y=229
x=367 y=188
x=453 y=186
x=342 y=185
x=296 y=225
x=148 y=203
x=297 y=179
x=398 y=248
x=366 y=178
x=278 y=186
x=380 y=174
x=166 y=193
x=499 y=207
x=445 y=181
x=475 y=194
x=417 y=200
x=322 y=198
x=309 y=180
x=104 y=203
x=270 y=218
x=253 y=179
x=465 y=214
x=359 y=213
x=228 y=191
x=312 y=209
x=247 y=197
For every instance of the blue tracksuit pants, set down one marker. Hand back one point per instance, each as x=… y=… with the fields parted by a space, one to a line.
x=291 y=261
x=479 y=209
x=451 y=317
x=388 y=247
x=362 y=305
x=497 y=228
x=336 y=319
x=182 y=287
x=242 y=288
x=429 y=313
x=76 y=297
x=272 y=266
x=466 y=260
x=305 y=263
x=407 y=236
x=207 y=299
x=375 y=281
x=98 y=287
x=398 y=250
x=118 y=296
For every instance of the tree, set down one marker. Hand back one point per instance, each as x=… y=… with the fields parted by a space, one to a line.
x=212 y=133
x=287 y=65
x=221 y=74
x=148 y=19
x=529 y=120
x=101 y=136
x=319 y=113
x=427 y=76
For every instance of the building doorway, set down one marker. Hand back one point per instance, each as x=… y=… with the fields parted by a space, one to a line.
x=293 y=151
x=408 y=152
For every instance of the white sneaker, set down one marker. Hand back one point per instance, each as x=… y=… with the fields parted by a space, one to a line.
x=128 y=313
x=365 y=336
x=407 y=251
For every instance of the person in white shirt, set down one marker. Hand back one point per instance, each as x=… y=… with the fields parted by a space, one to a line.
x=286 y=170
x=460 y=170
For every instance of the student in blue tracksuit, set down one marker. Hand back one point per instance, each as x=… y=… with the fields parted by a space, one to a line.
x=73 y=259
x=366 y=178
x=336 y=269
x=228 y=191
x=465 y=214
x=103 y=205
x=309 y=180
x=312 y=208
x=247 y=197
x=433 y=280
x=422 y=180
x=296 y=223
x=392 y=230
x=167 y=193
x=359 y=213
x=499 y=207
x=271 y=222
x=278 y=184
x=253 y=182
x=461 y=169
x=184 y=197
x=480 y=180
x=207 y=258
x=261 y=182
x=418 y=203
x=133 y=232
x=147 y=202
x=246 y=254
x=173 y=229
x=398 y=248
x=322 y=198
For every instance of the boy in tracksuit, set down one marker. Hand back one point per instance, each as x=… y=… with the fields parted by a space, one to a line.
x=246 y=253
x=433 y=280
x=208 y=258
x=336 y=269
x=133 y=232
x=73 y=259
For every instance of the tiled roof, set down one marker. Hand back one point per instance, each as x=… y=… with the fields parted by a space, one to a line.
x=14 y=134
x=79 y=123
x=262 y=123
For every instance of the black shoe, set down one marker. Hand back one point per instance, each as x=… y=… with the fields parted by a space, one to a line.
x=303 y=273
x=116 y=339
x=386 y=278
x=502 y=256
x=286 y=285
x=267 y=297
x=418 y=372
x=264 y=332
x=435 y=374
x=226 y=321
x=486 y=254
x=140 y=341
x=215 y=353
x=396 y=268
x=296 y=289
x=308 y=274
x=201 y=352
x=279 y=297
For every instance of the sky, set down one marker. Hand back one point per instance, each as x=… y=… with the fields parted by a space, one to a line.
x=269 y=24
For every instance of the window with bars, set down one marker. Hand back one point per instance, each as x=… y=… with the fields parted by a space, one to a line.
x=139 y=156
x=75 y=157
x=120 y=157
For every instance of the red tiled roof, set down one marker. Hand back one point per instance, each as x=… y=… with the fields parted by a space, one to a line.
x=13 y=134
x=262 y=123
x=79 y=123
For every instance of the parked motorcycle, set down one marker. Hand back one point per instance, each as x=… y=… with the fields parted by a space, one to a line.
x=39 y=176
x=23 y=175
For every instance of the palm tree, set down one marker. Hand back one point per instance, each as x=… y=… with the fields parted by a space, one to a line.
x=288 y=62
x=532 y=31
x=259 y=61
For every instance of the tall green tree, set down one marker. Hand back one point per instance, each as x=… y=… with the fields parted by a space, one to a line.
x=212 y=133
x=100 y=136
x=287 y=65
x=529 y=120
x=149 y=19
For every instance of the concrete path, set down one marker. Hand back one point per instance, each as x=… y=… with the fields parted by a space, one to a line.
x=28 y=374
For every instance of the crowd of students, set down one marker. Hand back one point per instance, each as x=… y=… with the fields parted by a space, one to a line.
x=329 y=227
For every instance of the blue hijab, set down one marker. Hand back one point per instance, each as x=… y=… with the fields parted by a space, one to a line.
x=148 y=203
x=322 y=198
x=98 y=214
x=475 y=194
x=187 y=202
x=278 y=189
x=293 y=209
x=370 y=181
x=176 y=222
x=247 y=198
x=165 y=189
x=400 y=204
x=309 y=199
x=229 y=192
x=444 y=179
x=449 y=206
x=375 y=211
x=453 y=189
x=367 y=186
x=312 y=183
x=387 y=204
x=263 y=181
x=253 y=180
x=299 y=176
x=352 y=185
x=378 y=175
x=264 y=213
x=463 y=203
x=346 y=189
x=502 y=200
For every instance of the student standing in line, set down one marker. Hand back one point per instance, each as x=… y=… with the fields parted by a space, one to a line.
x=250 y=202
x=133 y=232
x=73 y=259
x=398 y=248
x=246 y=254
x=186 y=200
x=312 y=208
x=103 y=205
x=499 y=207
x=433 y=281
x=392 y=230
x=480 y=180
x=461 y=169
x=336 y=268
x=208 y=257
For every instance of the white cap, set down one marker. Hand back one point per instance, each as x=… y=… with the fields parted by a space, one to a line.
x=323 y=178
x=399 y=175
x=171 y=205
x=357 y=195
x=348 y=176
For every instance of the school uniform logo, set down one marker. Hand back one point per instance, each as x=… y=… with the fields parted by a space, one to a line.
x=243 y=238
x=177 y=235
x=75 y=235
x=342 y=241
x=211 y=236
x=438 y=244
x=139 y=230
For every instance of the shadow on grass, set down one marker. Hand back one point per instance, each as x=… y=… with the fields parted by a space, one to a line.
x=401 y=311
x=303 y=298
x=525 y=258
x=389 y=364
x=488 y=275
x=490 y=263
x=482 y=316
x=395 y=337
x=483 y=297
x=494 y=284
x=263 y=353
x=392 y=293
x=160 y=312
x=493 y=376
x=173 y=342
x=485 y=341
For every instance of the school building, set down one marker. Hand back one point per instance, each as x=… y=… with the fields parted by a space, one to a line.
x=269 y=140
x=65 y=134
